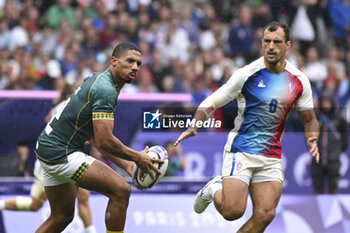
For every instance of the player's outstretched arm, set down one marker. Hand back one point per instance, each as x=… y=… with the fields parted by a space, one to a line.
x=106 y=141
x=192 y=131
x=312 y=129
x=205 y=109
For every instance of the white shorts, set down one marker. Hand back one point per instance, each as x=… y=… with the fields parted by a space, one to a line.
x=70 y=171
x=251 y=168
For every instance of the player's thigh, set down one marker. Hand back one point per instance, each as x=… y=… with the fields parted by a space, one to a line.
x=234 y=194
x=265 y=196
x=37 y=191
x=61 y=198
x=103 y=179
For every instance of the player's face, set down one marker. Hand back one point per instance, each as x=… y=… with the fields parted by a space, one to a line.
x=274 y=45
x=127 y=65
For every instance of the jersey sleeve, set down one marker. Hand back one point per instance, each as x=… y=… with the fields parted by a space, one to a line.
x=103 y=103
x=233 y=87
x=305 y=101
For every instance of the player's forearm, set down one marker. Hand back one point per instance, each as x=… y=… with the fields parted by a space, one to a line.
x=202 y=114
x=126 y=165
x=312 y=129
x=116 y=148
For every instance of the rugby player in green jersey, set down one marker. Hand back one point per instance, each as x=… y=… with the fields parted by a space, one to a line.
x=88 y=115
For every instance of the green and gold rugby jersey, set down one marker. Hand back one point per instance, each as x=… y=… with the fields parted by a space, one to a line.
x=71 y=126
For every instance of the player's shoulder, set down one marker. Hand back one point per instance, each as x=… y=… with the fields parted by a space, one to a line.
x=102 y=82
x=296 y=72
x=251 y=68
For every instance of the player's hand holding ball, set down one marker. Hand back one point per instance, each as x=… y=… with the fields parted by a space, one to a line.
x=144 y=178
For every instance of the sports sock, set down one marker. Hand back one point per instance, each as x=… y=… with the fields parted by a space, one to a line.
x=214 y=188
x=115 y=231
x=2 y=205
x=90 y=229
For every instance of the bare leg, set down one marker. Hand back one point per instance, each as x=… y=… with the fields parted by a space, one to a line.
x=265 y=197
x=25 y=203
x=231 y=201
x=62 y=203
x=83 y=206
x=101 y=178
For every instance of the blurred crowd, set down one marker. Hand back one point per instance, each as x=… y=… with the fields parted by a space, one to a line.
x=188 y=46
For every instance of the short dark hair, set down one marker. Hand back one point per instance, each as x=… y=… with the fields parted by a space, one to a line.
x=21 y=143
x=121 y=48
x=273 y=26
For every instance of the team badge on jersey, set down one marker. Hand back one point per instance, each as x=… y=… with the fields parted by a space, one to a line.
x=261 y=83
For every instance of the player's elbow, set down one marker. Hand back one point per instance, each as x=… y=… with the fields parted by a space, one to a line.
x=103 y=144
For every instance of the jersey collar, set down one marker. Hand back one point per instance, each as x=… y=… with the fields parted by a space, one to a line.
x=115 y=84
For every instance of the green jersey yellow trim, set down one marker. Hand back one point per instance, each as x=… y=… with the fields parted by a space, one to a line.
x=48 y=161
x=77 y=119
x=102 y=116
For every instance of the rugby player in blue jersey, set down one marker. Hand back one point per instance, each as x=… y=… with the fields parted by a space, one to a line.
x=266 y=90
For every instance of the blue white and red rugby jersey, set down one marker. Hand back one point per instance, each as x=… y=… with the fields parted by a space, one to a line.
x=264 y=102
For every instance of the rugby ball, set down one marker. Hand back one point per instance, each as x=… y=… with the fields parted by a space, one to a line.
x=144 y=180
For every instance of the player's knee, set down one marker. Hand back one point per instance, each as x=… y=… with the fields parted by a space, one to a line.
x=123 y=192
x=63 y=219
x=83 y=196
x=232 y=214
x=264 y=216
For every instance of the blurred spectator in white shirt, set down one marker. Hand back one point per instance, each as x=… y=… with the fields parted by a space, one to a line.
x=314 y=69
x=5 y=34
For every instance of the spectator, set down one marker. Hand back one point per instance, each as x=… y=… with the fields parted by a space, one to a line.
x=59 y=11
x=19 y=35
x=177 y=163
x=190 y=26
x=174 y=39
x=5 y=34
x=331 y=143
x=158 y=68
x=334 y=58
x=207 y=36
x=91 y=44
x=241 y=36
x=53 y=78
x=303 y=25
x=109 y=32
x=145 y=82
x=4 y=75
x=200 y=91
x=22 y=150
x=294 y=55
x=339 y=11
x=16 y=164
x=261 y=13
x=314 y=69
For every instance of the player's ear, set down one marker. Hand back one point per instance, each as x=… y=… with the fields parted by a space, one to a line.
x=114 y=61
x=289 y=44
